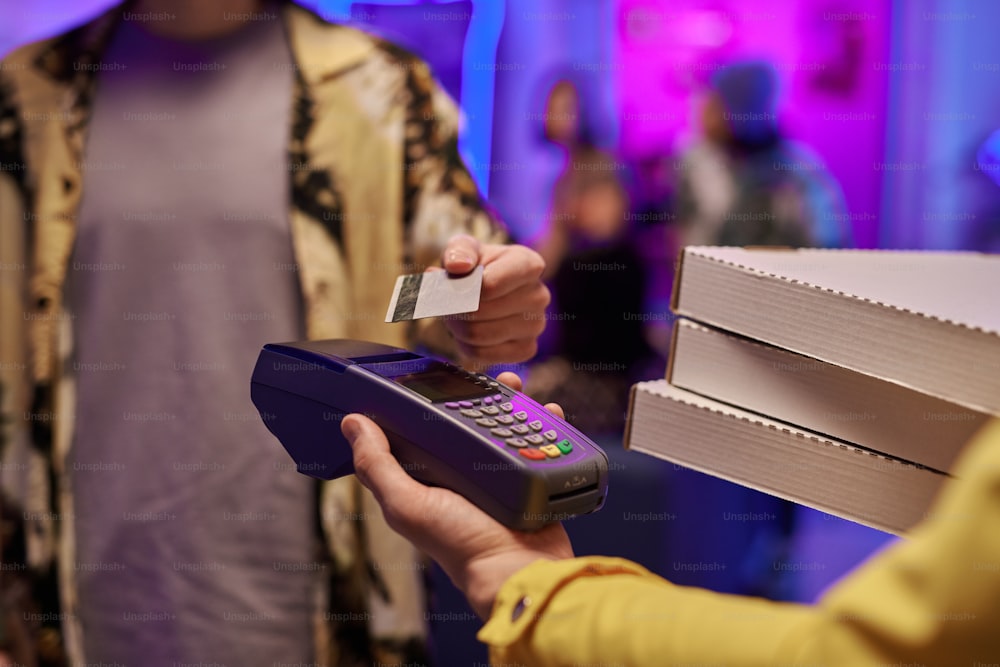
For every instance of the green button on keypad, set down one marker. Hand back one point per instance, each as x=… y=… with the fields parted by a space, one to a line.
x=565 y=446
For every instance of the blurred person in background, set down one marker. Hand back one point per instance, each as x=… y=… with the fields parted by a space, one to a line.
x=654 y=221
x=597 y=277
x=183 y=182
x=746 y=184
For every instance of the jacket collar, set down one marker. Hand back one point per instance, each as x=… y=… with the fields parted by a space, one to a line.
x=323 y=50
x=77 y=50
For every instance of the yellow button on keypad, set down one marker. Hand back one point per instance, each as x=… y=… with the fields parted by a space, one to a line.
x=551 y=451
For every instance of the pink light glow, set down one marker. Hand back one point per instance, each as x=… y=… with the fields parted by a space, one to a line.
x=826 y=53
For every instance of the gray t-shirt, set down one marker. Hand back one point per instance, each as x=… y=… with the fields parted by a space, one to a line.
x=196 y=538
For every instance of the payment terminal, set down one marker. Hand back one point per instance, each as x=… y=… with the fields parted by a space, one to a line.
x=447 y=427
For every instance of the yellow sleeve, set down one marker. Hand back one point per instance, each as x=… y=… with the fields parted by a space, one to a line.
x=608 y=611
x=934 y=599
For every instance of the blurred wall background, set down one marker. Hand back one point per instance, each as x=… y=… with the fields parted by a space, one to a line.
x=898 y=97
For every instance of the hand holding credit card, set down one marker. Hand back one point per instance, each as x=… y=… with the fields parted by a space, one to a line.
x=497 y=290
x=433 y=294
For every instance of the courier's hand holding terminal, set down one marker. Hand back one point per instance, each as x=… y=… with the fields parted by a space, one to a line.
x=447 y=427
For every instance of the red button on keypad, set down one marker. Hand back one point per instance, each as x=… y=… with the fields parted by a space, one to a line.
x=532 y=454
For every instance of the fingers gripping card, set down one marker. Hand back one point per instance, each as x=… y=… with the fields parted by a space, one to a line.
x=433 y=294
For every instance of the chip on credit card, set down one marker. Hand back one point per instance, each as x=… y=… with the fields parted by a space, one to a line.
x=433 y=294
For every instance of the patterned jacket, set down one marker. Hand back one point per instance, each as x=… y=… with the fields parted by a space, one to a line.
x=377 y=188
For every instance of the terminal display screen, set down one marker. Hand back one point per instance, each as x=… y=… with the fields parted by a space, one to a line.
x=437 y=383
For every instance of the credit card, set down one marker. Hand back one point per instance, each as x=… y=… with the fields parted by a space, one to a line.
x=433 y=294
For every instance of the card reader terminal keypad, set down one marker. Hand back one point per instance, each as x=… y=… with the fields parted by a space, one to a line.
x=500 y=417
